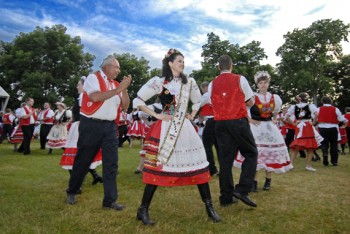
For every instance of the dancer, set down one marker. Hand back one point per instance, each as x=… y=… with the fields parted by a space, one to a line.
x=273 y=154
x=175 y=154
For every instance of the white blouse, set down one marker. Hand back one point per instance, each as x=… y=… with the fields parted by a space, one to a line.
x=155 y=86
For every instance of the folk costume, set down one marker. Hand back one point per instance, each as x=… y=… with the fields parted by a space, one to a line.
x=123 y=128
x=175 y=154
x=228 y=93
x=137 y=127
x=27 y=126
x=47 y=118
x=7 y=127
x=58 y=134
x=97 y=130
x=273 y=154
x=70 y=149
x=306 y=136
x=328 y=120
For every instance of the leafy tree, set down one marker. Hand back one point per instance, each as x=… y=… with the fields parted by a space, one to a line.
x=246 y=58
x=305 y=55
x=137 y=68
x=340 y=72
x=44 y=64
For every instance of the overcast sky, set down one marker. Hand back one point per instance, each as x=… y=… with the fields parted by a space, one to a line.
x=148 y=28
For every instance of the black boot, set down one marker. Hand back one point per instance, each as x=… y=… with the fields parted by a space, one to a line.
x=255 y=186
x=97 y=178
x=142 y=212
x=325 y=160
x=267 y=184
x=50 y=151
x=206 y=197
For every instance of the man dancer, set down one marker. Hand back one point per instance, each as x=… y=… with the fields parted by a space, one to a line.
x=101 y=103
x=46 y=118
x=230 y=94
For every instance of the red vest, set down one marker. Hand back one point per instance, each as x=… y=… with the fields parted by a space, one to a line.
x=6 y=118
x=228 y=98
x=50 y=120
x=88 y=107
x=265 y=109
x=206 y=110
x=327 y=114
x=26 y=121
x=347 y=116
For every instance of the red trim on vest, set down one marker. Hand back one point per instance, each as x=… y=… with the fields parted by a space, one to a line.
x=206 y=110
x=347 y=116
x=228 y=98
x=265 y=109
x=50 y=120
x=6 y=118
x=327 y=114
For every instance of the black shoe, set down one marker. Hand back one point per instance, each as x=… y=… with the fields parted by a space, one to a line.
x=335 y=164
x=138 y=171
x=26 y=153
x=142 y=214
x=245 y=199
x=228 y=203
x=97 y=179
x=267 y=184
x=71 y=199
x=326 y=163
x=114 y=206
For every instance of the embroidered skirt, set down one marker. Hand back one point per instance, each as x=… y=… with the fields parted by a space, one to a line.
x=17 y=135
x=137 y=130
x=57 y=137
x=273 y=154
x=68 y=156
x=187 y=164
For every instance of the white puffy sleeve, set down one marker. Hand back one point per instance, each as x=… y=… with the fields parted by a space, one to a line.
x=195 y=94
x=278 y=103
x=69 y=114
x=153 y=87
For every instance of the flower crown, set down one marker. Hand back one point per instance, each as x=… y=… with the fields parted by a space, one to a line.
x=172 y=51
x=260 y=74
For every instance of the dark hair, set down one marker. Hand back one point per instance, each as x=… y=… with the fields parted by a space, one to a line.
x=347 y=109
x=303 y=97
x=225 y=62
x=204 y=84
x=326 y=100
x=166 y=71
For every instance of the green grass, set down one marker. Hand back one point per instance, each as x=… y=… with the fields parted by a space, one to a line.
x=32 y=200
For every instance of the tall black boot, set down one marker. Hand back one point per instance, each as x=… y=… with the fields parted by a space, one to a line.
x=267 y=184
x=142 y=211
x=204 y=191
x=97 y=178
x=325 y=160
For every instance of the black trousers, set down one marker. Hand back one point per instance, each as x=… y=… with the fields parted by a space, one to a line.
x=209 y=140
x=44 y=131
x=330 y=136
x=290 y=138
x=6 y=131
x=234 y=135
x=28 y=131
x=348 y=135
x=93 y=135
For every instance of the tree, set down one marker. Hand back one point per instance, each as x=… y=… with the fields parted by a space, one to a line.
x=340 y=72
x=44 y=64
x=137 y=68
x=246 y=59
x=305 y=55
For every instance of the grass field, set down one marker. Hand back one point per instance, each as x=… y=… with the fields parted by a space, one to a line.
x=32 y=200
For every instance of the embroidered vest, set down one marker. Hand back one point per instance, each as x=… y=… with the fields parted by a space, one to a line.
x=228 y=98
x=206 y=110
x=302 y=113
x=327 y=114
x=25 y=122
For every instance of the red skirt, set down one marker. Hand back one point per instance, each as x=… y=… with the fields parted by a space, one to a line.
x=154 y=174
x=17 y=135
x=344 y=137
x=307 y=140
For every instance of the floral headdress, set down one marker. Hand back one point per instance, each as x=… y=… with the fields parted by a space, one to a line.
x=172 y=51
x=260 y=74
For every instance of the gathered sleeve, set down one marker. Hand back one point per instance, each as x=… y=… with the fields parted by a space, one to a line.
x=153 y=87
x=278 y=103
x=195 y=94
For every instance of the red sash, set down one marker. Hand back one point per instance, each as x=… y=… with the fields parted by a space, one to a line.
x=50 y=120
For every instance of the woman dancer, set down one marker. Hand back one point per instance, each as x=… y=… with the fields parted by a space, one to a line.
x=175 y=154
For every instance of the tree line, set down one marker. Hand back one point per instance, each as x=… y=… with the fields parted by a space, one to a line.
x=47 y=63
